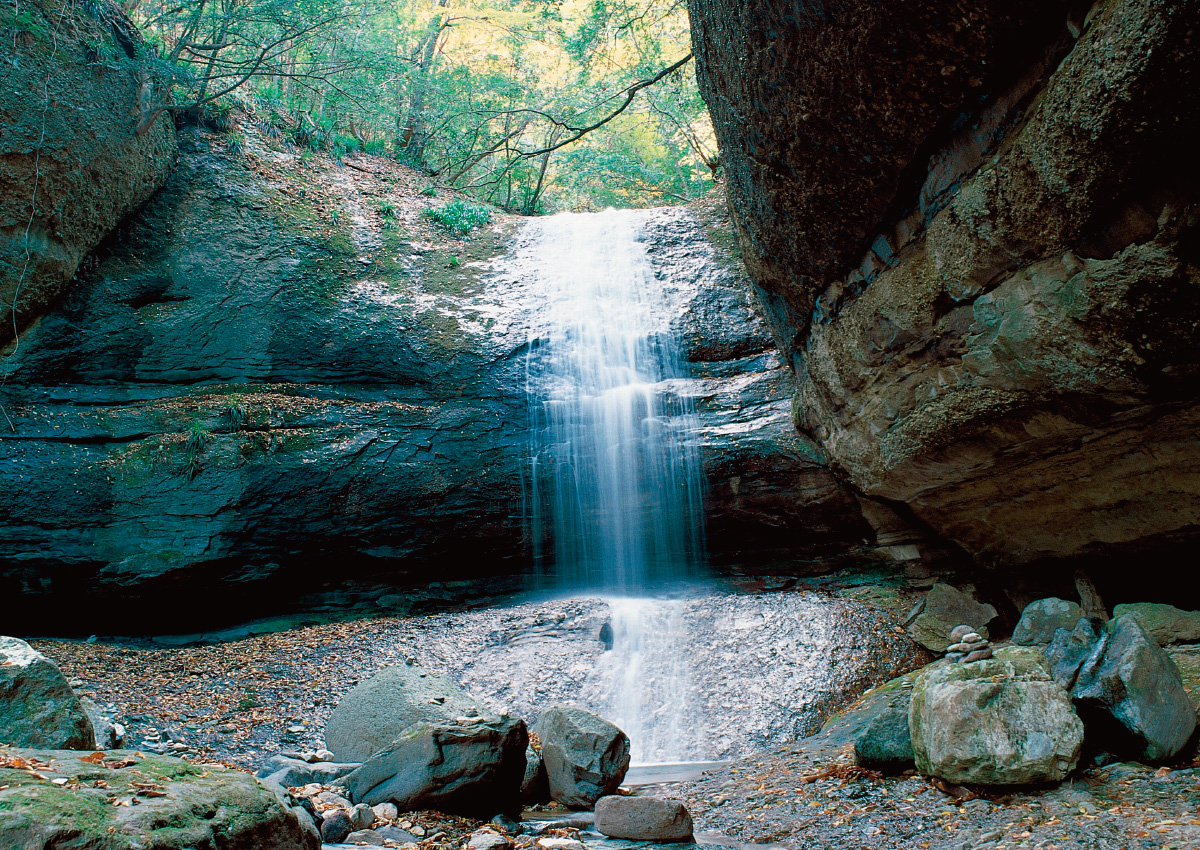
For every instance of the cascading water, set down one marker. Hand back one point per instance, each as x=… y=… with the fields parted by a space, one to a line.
x=616 y=482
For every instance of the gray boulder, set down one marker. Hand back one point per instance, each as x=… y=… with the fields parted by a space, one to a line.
x=1042 y=618
x=199 y=807
x=1165 y=624
x=473 y=770
x=292 y=773
x=535 y=788
x=1070 y=649
x=885 y=743
x=37 y=706
x=944 y=607
x=585 y=756
x=1131 y=695
x=374 y=714
x=643 y=819
x=999 y=721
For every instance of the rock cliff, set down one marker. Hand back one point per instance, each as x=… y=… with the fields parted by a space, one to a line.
x=81 y=149
x=973 y=230
x=279 y=384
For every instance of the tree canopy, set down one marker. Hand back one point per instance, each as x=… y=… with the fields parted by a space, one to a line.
x=533 y=105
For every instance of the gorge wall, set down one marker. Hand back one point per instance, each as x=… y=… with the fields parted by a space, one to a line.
x=972 y=227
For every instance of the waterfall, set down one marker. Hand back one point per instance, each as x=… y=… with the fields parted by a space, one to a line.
x=615 y=479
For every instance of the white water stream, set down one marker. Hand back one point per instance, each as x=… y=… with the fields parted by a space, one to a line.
x=616 y=483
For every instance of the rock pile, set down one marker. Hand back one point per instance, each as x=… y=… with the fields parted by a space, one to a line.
x=969 y=645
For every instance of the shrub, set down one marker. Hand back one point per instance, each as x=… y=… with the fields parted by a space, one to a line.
x=386 y=209
x=460 y=217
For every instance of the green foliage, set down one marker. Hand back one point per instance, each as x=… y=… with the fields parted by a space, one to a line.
x=236 y=414
x=454 y=262
x=236 y=143
x=479 y=92
x=385 y=208
x=460 y=217
x=430 y=191
x=193 y=448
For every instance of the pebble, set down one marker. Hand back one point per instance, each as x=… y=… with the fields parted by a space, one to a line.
x=226 y=729
x=978 y=655
x=362 y=816
x=959 y=632
x=386 y=811
x=560 y=844
x=487 y=839
x=364 y=836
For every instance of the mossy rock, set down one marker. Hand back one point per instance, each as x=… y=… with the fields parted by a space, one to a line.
x=121 y=800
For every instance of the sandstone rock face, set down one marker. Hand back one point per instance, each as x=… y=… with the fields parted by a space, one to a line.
x=585 y=756
x=1042 y=618
x=643 y=819
x=375 y=713
x=243 y=392
x=37 y=706
x=1001 y=721
x=74 y=128
x=985 y=280
x=1165 y=624
x=469 y=769
x=194 y=807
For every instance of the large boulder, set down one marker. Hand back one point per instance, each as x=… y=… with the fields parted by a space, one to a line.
x=535 y=788
x=374 y=714
x=1042 y=618
x=37 y=706
x=121 y=800
x=643 y=819
x=82 y=145
x=1131 y=695
x=586 y=757
x=473 y=769
x=943 y=609
x=1165 y=624
x=1000 y=721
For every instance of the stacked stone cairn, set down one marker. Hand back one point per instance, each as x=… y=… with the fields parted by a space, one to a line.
x=968 y=645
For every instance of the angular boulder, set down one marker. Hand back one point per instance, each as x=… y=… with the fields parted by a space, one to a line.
x=1070 y=650
x=292 y=773
x=1165 y=624
x=534 y=787
x=1131 y=695
x=179 y=806
x=885 y=743
x=586 y=757
x=1042 y=618
x=37 y=706
x=643 y=819
x=473 y=770
x=1000 y=721
x=374 y=714
x=943 y=608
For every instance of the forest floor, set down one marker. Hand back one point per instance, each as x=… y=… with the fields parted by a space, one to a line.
x=241 y=701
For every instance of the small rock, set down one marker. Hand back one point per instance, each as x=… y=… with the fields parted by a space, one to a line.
x=507 y=824
x=416 y=830
x=226 y=729
x=487 y=839
x=392 y=833
x=362 y=816
x=972 y=637
x=331 y=799
x=643 y=819
x=335 y=826
x=959 y=632
x=977 y=655
x=364 y=836
x=559 y=844
x=322 y=756
x=386 y=811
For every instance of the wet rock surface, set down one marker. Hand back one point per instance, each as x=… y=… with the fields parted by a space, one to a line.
x=643 y=819
x=796 y=655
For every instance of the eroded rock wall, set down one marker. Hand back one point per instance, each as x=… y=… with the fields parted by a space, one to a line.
x=82 y=146
x=1003 y=337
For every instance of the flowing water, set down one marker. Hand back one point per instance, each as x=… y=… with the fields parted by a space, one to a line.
x=615 y=478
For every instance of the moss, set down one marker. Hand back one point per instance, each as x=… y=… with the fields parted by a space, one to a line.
x=91 y=816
